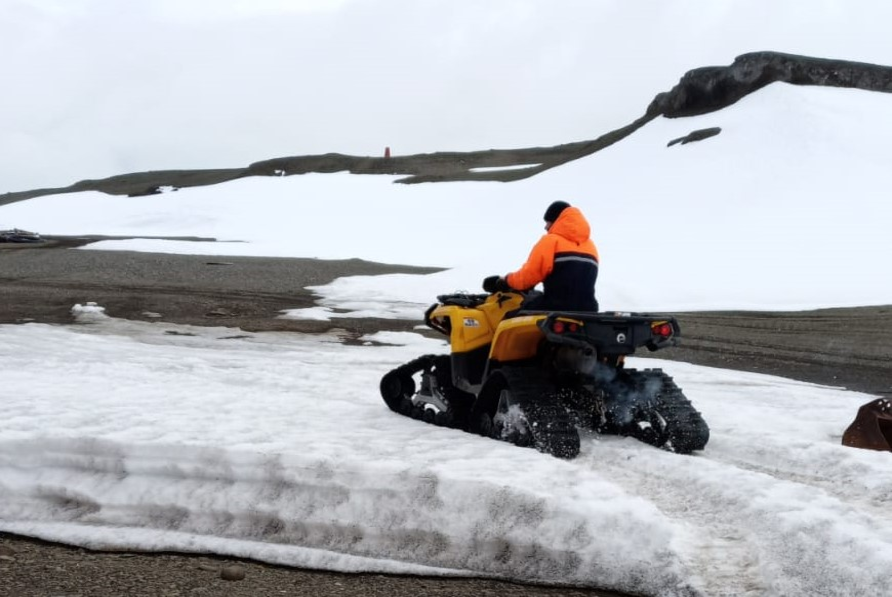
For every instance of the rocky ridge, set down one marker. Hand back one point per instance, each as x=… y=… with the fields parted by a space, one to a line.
x=699 y=91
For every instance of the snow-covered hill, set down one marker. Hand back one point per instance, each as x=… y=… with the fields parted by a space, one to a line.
x=97 y=88
x=785 y=209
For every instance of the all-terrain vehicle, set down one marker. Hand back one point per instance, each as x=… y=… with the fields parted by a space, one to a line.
x=532 y=378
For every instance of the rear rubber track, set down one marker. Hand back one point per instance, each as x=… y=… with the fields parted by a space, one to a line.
x=675 y=424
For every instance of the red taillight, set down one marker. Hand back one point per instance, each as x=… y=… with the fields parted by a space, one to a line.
x=662 y=329
x=560 y=327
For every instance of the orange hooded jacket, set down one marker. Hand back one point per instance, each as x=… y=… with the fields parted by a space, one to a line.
x=565 y=260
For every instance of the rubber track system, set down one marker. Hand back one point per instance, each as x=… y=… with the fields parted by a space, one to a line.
x=656 y=410
x=550 y=426
x=398 y=388
x=663 y=415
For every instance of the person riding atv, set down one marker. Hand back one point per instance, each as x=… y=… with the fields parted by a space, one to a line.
x=533 y=369
x=565 y=261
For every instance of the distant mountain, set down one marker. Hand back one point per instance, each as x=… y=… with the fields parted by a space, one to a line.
x=699 y=91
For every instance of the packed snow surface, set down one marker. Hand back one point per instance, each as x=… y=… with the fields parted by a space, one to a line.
x=134 y=435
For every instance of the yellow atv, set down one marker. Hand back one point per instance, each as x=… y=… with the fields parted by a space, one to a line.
x=532 y=378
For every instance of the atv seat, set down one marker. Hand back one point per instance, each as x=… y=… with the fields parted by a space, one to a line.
x=522 y=312
x=534 y=304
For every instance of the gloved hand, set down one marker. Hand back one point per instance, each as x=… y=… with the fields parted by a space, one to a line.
x=493 y=284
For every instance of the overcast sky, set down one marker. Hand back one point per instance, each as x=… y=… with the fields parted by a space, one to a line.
x=94 y=88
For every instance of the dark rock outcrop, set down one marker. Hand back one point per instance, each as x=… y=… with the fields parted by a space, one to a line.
x=697 y=135
x=712 y=88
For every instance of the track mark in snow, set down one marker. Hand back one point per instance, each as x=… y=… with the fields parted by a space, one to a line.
x=778 y=536
x=719 y=553
x=726 y=564
x=852 y=476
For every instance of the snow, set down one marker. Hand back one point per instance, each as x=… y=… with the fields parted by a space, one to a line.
x=136 y=435
x=154 y=436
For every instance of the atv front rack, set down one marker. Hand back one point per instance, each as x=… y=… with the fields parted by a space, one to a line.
x=462 y=299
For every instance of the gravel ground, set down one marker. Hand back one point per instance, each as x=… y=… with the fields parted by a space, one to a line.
x=842 y=347
x=40 y=283
x=30 y=568
x=849 y=348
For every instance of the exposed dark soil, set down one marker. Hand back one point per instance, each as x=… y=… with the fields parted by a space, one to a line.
x=850 y=348
x=38 y=283
x=31 y=568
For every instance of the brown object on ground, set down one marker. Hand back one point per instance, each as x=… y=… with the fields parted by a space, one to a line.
x=872 y=427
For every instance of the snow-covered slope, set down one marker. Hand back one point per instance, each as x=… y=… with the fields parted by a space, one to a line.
x=785 y=209
x=99 y=88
